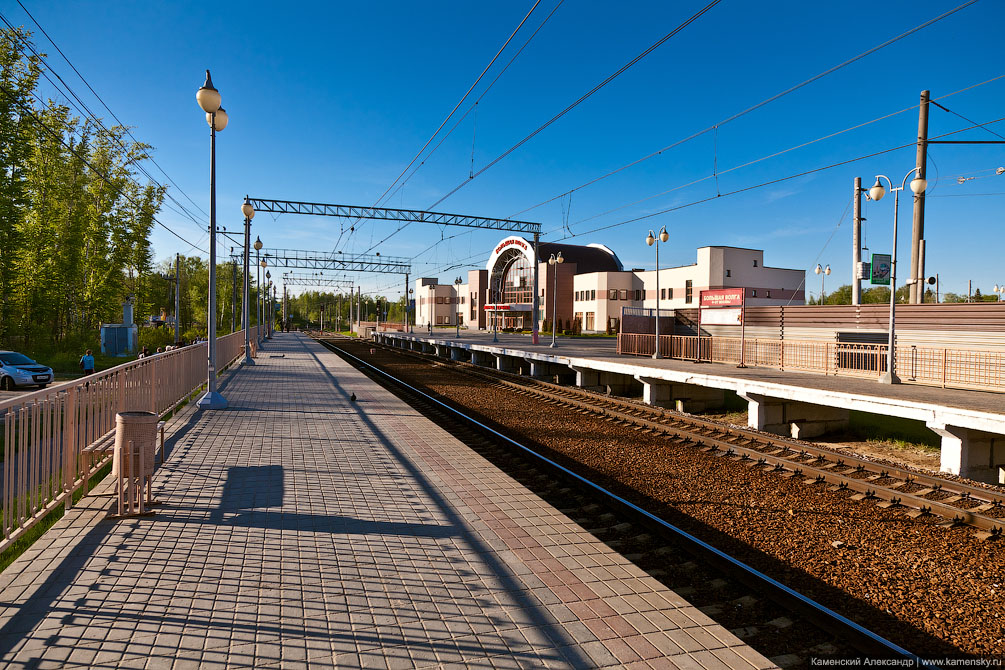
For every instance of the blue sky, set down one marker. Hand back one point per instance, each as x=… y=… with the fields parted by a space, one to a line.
x=328 y=102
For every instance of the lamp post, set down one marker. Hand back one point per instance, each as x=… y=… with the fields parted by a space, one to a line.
x=555 y=261
x=653 y=239
x=258 y=298
x=457 y=301
x=495 y=308
x=209 y=100
x=1000 y=290
x=876 y=193
x=408 y=300
x=249 y=214
x=823 y=272
x=267 y=318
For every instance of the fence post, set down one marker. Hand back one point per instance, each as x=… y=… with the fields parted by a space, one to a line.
x=945 y=360
x=71 y=418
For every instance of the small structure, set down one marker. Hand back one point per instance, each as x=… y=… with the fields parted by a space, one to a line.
x=119 y=339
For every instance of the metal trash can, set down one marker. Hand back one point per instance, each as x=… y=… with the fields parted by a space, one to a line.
x=135 y=445
x=140 y=428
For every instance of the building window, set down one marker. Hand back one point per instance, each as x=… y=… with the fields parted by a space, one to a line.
x=663 y=294
x=755 y=262
x=767 y=294
x=593 y=295
x=729 y=273
x=638 y=295
x=753 y=294
x=688 y=291
x=624 y=294
x=670 y=293
x=612 y=294
x=589 y=320
x=439 y=300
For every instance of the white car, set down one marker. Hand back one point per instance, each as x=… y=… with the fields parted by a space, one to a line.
x=19 y=370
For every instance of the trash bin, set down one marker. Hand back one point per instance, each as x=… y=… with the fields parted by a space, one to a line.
x=134 y=468
x=140 y=428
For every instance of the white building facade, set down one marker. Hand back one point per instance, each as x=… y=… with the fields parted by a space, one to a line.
x=593 y=287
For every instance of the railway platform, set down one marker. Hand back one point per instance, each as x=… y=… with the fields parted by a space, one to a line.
x=970 y=424
x=321 y=522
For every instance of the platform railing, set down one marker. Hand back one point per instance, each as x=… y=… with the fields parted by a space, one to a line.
x=933 y=366
x=44 y=432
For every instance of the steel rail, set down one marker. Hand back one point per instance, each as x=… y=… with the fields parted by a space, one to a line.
x=858 y=636
x=989 y=527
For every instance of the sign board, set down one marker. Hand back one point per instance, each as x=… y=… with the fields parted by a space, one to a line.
x=726 y=316
x=723 y=297
x=497 y=308
x=882 y=264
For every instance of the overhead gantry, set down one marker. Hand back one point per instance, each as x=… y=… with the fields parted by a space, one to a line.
x=405 y=216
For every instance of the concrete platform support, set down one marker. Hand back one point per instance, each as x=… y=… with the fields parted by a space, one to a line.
x=799 y=420
x=508 y=363
x=971 y=453
x=545 y=369
x=458 y=354
x=681 y=397
x=607 y=382
x=427 y=348
x=483 y=358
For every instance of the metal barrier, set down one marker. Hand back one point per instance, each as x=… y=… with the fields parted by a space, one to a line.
x=44 y=432
x=948 y=368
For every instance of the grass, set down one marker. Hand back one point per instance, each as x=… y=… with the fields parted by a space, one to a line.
x=22 y=544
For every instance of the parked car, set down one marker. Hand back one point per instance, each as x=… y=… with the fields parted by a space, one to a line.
x=19 y=370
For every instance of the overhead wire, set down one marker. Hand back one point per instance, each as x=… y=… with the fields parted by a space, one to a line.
x=459 y=103
x=694 y=17
x=103 y=104
x=59 y=137
x=757 y=106
x=768 y=183
x=83 y=109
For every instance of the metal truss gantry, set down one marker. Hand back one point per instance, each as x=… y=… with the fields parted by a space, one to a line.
x=337 y=261
x=411 y=216
x=318 y=280
x=381 y=213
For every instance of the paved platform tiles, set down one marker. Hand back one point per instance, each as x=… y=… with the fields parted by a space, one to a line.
x=605 y=349
x=299 y=529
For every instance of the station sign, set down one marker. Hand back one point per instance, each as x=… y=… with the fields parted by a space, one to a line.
x=723 y=297
x=882 y=265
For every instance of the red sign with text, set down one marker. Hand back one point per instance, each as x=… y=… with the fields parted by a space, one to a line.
x=723 y=297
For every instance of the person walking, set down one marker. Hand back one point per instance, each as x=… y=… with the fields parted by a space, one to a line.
x=87 y=363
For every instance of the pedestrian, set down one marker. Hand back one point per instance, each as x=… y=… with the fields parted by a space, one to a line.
x=144 y=352
x=87 y=363
x=160 y=350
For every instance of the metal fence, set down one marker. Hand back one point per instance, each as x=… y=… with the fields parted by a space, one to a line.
x=956 y=368
x=46 y=432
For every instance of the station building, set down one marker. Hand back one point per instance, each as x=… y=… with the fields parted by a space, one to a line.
x=591 y=286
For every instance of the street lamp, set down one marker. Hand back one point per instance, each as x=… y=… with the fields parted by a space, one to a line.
x=457 y=315
x=653 y=239
x=408 y=299
x=823 y=272
x=258 y=298
x=876 y=193
x=249 y=214
x=266 y=307
x=209 y=100
x=555 y=261
x=1000 y=290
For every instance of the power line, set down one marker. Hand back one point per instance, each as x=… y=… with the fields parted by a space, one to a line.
x=766 y=183
x=755 y=107
x=86 y=111
x=586 y=95
x=943 y=107
x=459 y=103
x=83 y=159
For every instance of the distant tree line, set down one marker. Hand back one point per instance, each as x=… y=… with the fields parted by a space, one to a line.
x=881 y=295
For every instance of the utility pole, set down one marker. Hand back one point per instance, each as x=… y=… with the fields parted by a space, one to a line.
x=856 y=242
x=233 y=295
x=177 y=297
x=918 y=229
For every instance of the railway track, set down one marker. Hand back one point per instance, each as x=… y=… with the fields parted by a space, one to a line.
x=779 y=622
x=956 y=502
